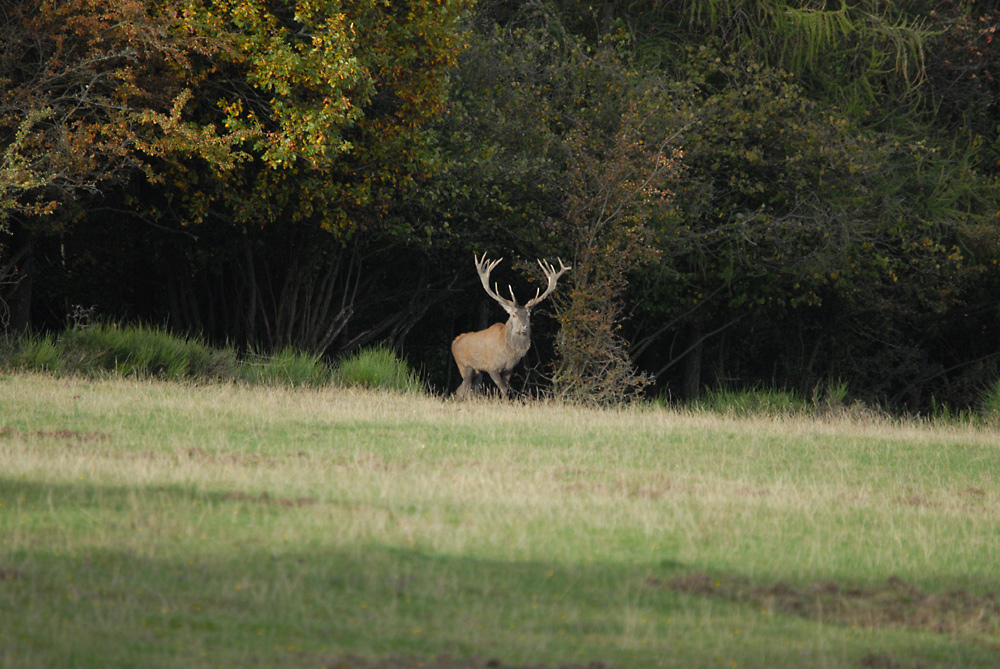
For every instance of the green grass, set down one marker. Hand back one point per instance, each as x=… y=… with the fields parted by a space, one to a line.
x=288 y=367
x=377 y=367
x=991 y=405
x=127 y=350
x=754 y=402
x=106 y=349
x=162 y=524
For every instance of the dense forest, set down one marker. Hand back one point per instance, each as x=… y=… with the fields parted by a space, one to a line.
x=798 y=194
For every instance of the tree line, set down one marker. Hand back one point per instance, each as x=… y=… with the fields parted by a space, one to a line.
x=753 y=193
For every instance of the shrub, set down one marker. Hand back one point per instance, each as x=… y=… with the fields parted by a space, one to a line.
x=593 y=366
x=377 y=367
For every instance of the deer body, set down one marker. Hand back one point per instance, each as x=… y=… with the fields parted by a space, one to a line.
x=497 y=349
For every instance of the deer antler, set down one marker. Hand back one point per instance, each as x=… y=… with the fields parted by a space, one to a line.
x=552 y=275
x=484 y=267
x=500 y=347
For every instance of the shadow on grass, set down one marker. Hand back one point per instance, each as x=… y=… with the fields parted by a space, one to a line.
x=244 y=597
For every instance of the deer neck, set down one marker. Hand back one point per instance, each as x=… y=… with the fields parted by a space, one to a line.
x=517 y=337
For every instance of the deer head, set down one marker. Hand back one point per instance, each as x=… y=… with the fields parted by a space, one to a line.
x=497 y=349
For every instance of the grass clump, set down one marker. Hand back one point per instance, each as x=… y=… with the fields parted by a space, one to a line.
x=754 y=402
x=377 y=367
x=37 y=353
x=139 y=350
x=130 y=350
x=991 y=405
x=153 y=352
x=289 y=367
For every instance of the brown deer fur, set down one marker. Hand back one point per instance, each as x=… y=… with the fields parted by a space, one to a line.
x=498 y=348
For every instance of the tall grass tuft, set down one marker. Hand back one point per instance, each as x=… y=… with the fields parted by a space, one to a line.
x=377 y=367
x=143 y=351
x=136 y=350
x=130 y=350
x=754 y=402
x=990 y=405
x=36 y=353
x=287 y=367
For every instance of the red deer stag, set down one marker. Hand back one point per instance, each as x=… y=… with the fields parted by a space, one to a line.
x=498 y=348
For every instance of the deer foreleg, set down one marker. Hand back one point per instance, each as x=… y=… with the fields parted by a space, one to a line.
x=502 y=379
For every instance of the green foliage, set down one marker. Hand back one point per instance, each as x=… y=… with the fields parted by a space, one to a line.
x=287 y=367
x=575 y=158
x=831 y=395
x=20 y=174
x=963 y=89
x=863 y=57
x=750 y=241
x=777 y=210
x=759 y=147
x=307 y=113
x=377 y=367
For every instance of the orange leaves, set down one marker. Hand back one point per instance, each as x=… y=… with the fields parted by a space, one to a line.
x=311 y=90
x=105 y=82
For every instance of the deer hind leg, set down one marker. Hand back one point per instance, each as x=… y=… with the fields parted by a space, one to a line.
x=469 y=376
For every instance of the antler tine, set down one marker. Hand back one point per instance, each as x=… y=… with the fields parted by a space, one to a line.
x=484 y=267
x=496 y=293
x=552 y=275
x=481 y=263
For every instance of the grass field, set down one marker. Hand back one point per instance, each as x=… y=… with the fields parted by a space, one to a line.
x=158 y=524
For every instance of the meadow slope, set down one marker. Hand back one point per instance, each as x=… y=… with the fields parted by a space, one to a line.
x=154 y=524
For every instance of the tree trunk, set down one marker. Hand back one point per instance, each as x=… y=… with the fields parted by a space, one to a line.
x=691 y=384
x=16 y=274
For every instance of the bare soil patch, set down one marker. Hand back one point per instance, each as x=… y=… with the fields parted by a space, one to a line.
x=445 y=662
x=265 y=498
x=60 y=435
x=892 y=604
